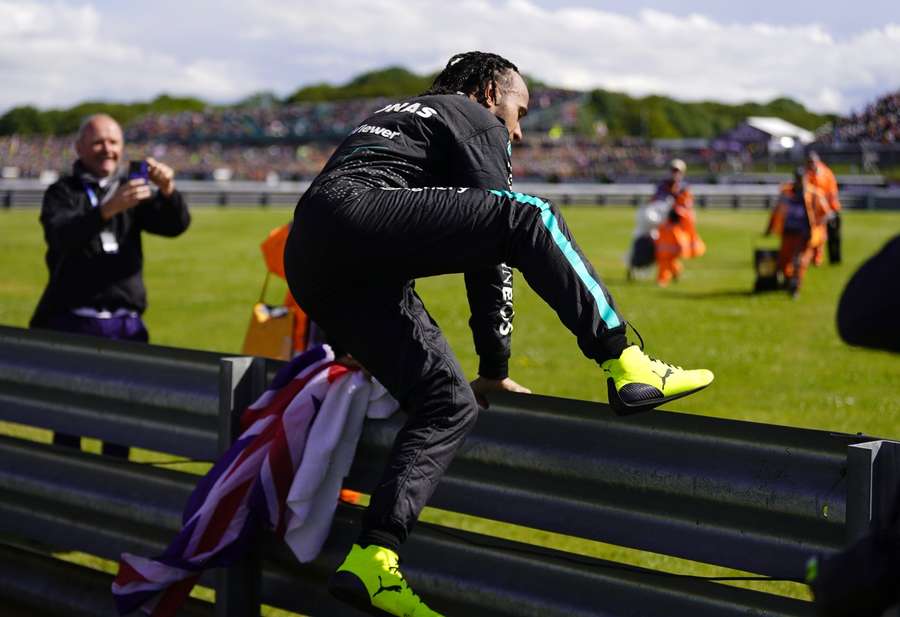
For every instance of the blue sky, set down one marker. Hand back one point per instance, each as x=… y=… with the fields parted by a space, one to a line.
x=55 y=53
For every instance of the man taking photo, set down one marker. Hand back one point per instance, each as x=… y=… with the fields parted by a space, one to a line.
x=92 y=222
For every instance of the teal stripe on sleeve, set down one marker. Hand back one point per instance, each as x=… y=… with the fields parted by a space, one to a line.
x=607 y=314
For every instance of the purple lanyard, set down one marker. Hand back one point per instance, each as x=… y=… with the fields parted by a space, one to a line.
x=92 y=196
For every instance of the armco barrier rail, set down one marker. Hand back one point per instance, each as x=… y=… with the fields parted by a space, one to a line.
x=748 y=496
x=29 y=193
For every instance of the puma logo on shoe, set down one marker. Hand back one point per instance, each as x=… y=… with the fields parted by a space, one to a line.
x=381 y=587
x=669 y=371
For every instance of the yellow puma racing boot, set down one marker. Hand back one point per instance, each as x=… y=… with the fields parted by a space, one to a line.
x=370 y=580
x=636 y=382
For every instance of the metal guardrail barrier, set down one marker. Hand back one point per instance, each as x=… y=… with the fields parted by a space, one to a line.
x=772 y=497
x=154 y=397
x=45 y=587
x=749 y=496
x=29 y=193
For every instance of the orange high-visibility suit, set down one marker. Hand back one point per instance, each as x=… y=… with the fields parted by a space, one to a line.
x=799 y=223
x=687 y=220
x=672 y=242
x=677 y=235
x=683 y=203
x=821 y=177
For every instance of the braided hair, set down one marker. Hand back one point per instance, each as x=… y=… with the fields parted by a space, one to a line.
x=471 y=73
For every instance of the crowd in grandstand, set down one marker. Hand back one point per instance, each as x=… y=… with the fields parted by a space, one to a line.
x=292 y=142
x=583 y=160
x=268 y=124
x=303 y=122
x=31 y=156
x=878 y=123
x=537 y=159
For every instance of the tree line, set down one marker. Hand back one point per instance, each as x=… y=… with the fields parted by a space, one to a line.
x=28 y=120
x=621 y=115
x=661 y=117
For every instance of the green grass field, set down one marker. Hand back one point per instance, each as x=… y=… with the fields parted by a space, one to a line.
x=776 y=360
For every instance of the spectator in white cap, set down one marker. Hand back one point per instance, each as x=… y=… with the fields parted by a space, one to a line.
x=681 y=216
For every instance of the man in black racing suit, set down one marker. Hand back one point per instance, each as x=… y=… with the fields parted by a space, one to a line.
x=421 y=188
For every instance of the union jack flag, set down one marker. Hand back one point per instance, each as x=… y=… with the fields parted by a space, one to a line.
x=246 y=488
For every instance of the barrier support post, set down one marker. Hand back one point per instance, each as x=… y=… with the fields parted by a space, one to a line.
x=241 y=381
x=873 y=479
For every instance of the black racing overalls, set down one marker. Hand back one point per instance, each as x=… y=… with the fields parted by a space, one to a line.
x=422 y=188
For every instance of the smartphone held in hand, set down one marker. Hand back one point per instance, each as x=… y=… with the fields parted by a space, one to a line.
x=138 y=170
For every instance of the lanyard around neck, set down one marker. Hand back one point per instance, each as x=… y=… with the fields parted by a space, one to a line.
x=92 y=195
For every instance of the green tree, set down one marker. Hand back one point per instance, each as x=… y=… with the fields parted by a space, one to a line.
x=650 y=117
x=29 y=120
x=663 y=117
x=393 y=81
x=26 y=120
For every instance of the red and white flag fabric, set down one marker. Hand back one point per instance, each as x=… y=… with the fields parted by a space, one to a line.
x=284 y=472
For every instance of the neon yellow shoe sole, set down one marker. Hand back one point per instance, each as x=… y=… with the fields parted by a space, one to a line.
x=625 y=406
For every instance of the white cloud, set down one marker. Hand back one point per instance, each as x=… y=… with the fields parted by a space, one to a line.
x=58 y=53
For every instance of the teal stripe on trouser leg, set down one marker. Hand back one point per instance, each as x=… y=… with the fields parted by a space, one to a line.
x=607 y=314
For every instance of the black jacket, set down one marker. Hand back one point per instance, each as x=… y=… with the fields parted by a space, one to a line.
x=81 y=273
x=439 y=141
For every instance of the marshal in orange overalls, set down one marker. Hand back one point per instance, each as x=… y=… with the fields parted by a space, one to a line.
x=677 y=235
x=797 y=217
x=672 y=242
x=821 y=177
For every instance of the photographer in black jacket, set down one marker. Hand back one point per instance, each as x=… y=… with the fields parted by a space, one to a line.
x=92 y=222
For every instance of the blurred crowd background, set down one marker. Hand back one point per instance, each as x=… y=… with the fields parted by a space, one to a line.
x=570 y=136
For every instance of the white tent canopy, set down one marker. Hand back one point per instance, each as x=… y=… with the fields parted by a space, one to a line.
x=783 y=134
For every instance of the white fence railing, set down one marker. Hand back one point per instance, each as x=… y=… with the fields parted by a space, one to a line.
x=29 y=193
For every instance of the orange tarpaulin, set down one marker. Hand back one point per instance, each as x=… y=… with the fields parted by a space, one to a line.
x=273 y=254
x=273 y=249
